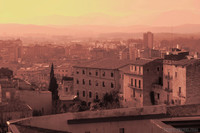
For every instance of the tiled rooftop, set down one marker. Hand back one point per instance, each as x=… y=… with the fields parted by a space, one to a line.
x=185 y=62
x=108 y=63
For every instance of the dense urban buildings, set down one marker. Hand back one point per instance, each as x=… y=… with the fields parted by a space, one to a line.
x=137 y=76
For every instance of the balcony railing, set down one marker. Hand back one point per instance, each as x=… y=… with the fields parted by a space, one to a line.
x=168 y=90
x=157 y=86
x=133 y=87
x=181 y=95
x=168 y=77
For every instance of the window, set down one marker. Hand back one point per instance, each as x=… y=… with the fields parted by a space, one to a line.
x=176 y=74
x=62 y=70
x=7 y=95
x=139 y=83
x=139 y=69
x=112 y=74
x=97 y=83
x=97 y=97
x=103 y=84
x=168 y=74
x=77 y=72
x=96 y=73
x=135 y=82
x=90 y=94
x=66 y=89
x=104 y=74
x=121 y=130
x=66 y=70
x=90 y=82
x=135 y=68
x=83 y=93
x=179 y=91
x=77 y=93
x=131 y=82
x=90 y=73
x=83 y=71
x=147 y=70
x=112 y=85
x=133 y=92
x=77 y=81
x=83 y=81
x=168 y=85
x=158 y=69
x=158 y=95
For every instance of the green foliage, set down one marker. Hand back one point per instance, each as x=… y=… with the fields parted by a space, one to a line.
x=111 y=100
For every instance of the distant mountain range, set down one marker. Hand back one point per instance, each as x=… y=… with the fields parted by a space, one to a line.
x=92 y=30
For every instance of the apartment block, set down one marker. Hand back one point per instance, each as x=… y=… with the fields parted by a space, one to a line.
x=180 y=82
x=94 y=79
x=138 y=78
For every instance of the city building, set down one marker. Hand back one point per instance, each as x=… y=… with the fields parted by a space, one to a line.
x=38 y=76
x=138 y=78
x=148 y=40
x=94 y=79
x=64 y=70
x=180 y=82
x=11 y=50
x=98 y=53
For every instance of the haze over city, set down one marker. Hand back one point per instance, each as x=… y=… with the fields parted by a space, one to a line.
x=93 y=17
x=99 y=66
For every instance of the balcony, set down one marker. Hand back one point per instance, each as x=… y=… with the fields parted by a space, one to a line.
x=133 y=87
x=181 y=95
x=156 y=86
x=168 y=77
x=168 y=90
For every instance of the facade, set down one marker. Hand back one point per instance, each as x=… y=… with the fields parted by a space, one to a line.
x=40 y=101
x=11 y=50
x=137 y=81
x=38 y=76
x=61 y=71
x=180 y=82
x=148 y=40
x=98 y=53
x=124 y=54
x=93 y=80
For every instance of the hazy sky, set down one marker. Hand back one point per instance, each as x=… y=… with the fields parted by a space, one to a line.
x=100 y=12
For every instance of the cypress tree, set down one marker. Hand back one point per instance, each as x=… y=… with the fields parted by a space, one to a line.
x=53 y=87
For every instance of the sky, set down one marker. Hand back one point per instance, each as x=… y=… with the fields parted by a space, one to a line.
x=100 y=12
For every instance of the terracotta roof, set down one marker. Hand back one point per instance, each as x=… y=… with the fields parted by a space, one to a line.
x=141 y=62
x=107 y=63
x=185 y=62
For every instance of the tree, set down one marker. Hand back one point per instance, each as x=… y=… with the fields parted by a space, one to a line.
x=53 y=87
x=111 y=100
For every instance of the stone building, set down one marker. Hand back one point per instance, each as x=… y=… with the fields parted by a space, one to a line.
x=180 y=82
x=92 y=80
x=138 y=78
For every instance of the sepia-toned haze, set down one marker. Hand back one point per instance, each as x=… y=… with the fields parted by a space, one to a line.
x=100 y=12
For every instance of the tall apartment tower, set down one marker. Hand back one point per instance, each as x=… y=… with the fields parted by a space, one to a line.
x=148 y=40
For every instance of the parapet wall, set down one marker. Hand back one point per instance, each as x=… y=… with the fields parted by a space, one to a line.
x=148 y=110
x=184 y=110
